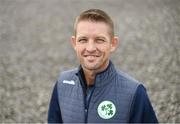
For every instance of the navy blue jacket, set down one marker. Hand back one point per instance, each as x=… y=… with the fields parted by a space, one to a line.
x=136 y=108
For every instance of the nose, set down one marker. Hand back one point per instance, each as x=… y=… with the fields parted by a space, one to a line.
x=91 y=47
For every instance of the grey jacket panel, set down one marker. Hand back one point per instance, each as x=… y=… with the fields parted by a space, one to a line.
x=71 y=99
x=110 y=85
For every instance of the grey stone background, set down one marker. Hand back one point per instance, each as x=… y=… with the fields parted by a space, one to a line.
x=35 y=47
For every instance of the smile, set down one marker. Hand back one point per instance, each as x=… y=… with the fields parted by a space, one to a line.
x=91 y=55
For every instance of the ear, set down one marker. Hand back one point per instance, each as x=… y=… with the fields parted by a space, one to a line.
x=73 y=42
x=114 y=43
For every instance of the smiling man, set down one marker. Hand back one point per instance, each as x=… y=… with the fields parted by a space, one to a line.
x=93 y=44
x=97 y=92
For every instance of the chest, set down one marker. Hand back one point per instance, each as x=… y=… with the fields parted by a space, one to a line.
x=108 y=104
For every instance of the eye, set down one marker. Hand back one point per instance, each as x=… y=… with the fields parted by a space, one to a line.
x=82 y=40
x=100 y=40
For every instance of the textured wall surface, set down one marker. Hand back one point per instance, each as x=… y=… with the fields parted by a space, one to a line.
x=35 y=47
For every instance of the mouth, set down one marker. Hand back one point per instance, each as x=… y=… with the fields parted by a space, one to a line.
x=91 y=55
x=91 y=58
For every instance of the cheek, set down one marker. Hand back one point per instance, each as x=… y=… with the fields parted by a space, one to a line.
x=104 y=49
x=79 y=50
x=107 y=52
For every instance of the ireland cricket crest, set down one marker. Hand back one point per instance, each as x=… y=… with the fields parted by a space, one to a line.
x=106 y=109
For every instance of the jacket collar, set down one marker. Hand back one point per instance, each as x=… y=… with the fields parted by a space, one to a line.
x=103 y=77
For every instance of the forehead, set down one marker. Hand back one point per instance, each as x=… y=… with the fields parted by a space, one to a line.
x=92 y=28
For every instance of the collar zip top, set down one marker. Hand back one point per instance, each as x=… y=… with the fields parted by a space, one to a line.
x=98 y=82
x=101 y=78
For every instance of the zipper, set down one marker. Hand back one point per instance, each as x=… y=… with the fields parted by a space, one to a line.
x=87 y=101
x=87 y=92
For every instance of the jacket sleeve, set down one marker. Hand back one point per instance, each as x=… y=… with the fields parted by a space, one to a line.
x=142 y=110
x=54 y=113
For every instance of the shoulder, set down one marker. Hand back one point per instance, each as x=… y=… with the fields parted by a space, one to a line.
x=126 y=81
x=68 y=74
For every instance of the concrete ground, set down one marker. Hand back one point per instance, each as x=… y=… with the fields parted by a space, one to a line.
x=35 y=47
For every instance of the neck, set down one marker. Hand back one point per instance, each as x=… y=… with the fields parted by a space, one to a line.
x=90 y=75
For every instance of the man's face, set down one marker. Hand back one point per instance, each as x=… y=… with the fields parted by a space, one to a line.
x=93 y=44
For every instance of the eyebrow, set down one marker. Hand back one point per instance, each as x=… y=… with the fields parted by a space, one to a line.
x=80 y=37
x=101 y=37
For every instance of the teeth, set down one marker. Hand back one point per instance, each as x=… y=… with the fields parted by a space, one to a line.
x=91 y=56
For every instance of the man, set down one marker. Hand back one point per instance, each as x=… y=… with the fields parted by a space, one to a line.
x=97 y=92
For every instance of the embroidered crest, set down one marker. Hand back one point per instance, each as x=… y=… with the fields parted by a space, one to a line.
x=106 y=109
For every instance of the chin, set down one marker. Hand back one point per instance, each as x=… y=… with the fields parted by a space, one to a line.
x=91 y=67
x=97 y=64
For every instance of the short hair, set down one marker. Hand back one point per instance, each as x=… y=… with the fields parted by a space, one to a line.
x=95 y=15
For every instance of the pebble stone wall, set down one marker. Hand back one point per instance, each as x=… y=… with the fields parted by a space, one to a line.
x=35 y=47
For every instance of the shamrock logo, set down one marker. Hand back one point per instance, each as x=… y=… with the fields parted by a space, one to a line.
x=106 y=109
